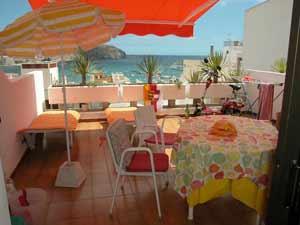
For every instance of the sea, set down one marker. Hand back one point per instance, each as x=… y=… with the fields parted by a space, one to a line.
x=171 y=67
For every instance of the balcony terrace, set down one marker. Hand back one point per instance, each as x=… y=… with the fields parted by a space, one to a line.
x=89 y=204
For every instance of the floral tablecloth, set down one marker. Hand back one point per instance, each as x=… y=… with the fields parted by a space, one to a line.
x=202 y=157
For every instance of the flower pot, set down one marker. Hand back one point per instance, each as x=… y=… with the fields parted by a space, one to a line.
x=105 y=105
x=171 y=103
x=133 y=103
x=85 y=107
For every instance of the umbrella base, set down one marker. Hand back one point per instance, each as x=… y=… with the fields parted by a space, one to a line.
x=70 y=174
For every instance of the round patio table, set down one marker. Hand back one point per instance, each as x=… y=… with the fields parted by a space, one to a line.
x=209 y=166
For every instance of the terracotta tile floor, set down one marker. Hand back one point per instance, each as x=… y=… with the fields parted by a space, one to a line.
x=89 y=204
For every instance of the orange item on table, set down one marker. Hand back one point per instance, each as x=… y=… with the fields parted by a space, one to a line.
x=223 y=128
x=113 y=114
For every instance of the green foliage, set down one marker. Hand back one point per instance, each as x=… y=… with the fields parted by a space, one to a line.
x=195 y=77
x=280 y=65
x=212 y=69
x=214 y=62
x=149 y=66
x=178 y=83
x=2 y=60
x=82 y=65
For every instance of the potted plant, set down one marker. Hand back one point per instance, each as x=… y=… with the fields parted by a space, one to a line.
x=178 y=84
x=194 y=78
x=82 y=65
x=150 y=67
x=212 y=68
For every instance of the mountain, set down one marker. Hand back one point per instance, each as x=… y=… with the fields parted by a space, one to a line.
x=106 y=52
x=100 y=52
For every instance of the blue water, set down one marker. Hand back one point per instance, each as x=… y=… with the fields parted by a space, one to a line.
x=170 y=67
x=11 y=69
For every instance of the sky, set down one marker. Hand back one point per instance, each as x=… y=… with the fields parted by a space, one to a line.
x=223 y=22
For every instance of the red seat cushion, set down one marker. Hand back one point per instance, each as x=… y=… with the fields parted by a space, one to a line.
x=140 y=162
x=170 y=139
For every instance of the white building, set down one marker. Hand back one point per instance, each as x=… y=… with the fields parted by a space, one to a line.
x=266 y=33
x=232 y=52
x=48 y=69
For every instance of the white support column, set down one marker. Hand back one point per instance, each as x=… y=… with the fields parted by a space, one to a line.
x=45 y=141
x=71 y=139
x=258 y=220
x=191 y=213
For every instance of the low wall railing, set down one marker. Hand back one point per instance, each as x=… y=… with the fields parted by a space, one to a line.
x=169 y=92
x=134 y=93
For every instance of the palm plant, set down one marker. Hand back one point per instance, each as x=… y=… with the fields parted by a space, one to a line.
x=280 y=65
x=178 y=83
x=195 y=77
x=211 y=68
x=150 y=67
x=82 y=65
x=2 y=60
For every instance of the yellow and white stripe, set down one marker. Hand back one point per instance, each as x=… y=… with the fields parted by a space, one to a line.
x=20 y=30
x=60 y=28
x=49 y=44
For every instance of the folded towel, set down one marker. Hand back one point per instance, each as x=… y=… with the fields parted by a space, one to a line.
x=266 y=95
x=223 y=128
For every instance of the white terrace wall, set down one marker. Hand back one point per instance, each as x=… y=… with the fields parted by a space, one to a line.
x=127 y=93
x=21 y=100
x=4 y=212
x=85 y=94
x=49 y=71
x=266 y=33
x=267 y=77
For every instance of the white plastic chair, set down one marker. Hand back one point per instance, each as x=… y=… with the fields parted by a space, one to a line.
x=133 y=161
x=145 y=120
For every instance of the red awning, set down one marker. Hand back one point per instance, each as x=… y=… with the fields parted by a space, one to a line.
x=159 y=17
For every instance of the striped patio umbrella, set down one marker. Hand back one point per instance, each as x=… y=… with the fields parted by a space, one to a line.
x=58 y=29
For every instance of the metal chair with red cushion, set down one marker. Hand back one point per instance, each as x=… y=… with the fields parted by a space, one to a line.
x=149 y=131
x=133 y=161
x=140 y=162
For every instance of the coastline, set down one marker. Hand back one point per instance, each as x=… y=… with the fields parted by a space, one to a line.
x=171 y=68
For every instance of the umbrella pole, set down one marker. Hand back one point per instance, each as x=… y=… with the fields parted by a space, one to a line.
x=65 y=107
x=70 y=174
